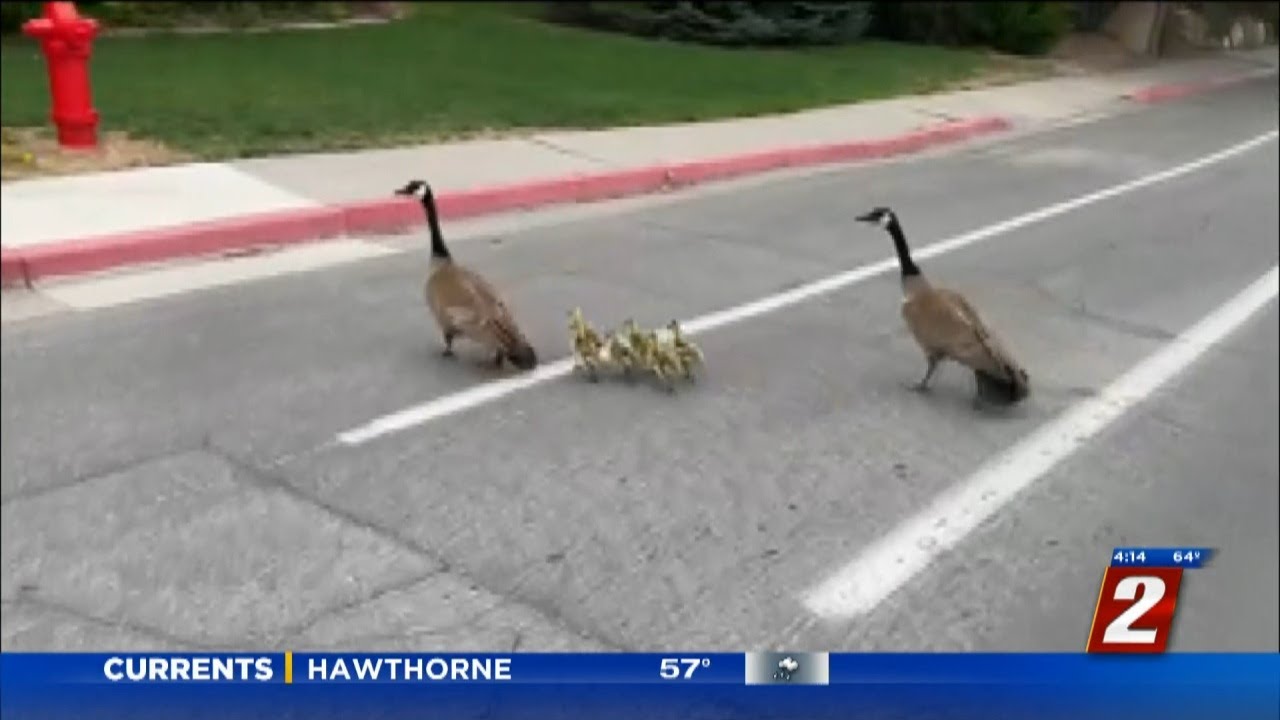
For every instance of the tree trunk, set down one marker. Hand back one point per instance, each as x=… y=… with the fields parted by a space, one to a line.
x=1155 y=45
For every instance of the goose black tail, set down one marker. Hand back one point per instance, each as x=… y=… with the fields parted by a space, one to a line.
x=1008 y=389
x=523 y=356
x=513 y=344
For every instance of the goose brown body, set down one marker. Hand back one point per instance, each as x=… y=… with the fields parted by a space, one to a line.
x=947 y=327
x=463 y=303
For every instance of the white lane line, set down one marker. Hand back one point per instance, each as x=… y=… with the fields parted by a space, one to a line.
x=479 y=395
x=892 y=560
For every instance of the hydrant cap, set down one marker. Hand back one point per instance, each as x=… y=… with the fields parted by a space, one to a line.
x=60 y=18
x=62 y=13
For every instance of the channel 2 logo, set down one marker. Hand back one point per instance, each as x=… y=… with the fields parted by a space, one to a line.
x=1138 y=599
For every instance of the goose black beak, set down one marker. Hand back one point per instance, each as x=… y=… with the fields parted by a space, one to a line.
x=867 y=218
x=404 y=191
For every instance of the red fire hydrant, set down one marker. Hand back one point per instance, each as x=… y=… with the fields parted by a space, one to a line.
x=67 y=40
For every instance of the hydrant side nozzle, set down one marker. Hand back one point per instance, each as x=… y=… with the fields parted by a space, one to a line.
x=37 y=27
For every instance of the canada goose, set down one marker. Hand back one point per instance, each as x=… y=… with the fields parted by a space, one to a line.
x=690 y=354
x=588 y=347
x=463 y=303
x=652 y=354
x=626 y=349
x=946 y=326
x=666 y=362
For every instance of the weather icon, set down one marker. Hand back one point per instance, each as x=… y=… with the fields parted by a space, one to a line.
x=787 y=667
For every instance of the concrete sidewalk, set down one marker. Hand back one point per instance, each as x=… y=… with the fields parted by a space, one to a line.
x=72 y=225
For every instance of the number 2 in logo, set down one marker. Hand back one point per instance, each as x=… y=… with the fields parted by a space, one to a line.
x=1135 y=610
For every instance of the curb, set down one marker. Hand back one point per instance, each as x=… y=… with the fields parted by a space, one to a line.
x=23 y=266
x=1174 y=91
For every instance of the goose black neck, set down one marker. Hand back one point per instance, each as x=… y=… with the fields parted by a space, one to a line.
x=908 y=266
x=438 y=248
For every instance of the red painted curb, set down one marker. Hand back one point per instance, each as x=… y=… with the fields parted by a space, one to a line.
x=1173 y=91
x=13 y=270
x=75 y=257
x=395 y=214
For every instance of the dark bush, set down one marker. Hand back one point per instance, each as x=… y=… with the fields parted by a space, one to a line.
x=1021 y=28
x=724 y=23
x=1089 y=16
x=13 y=14
x=1220 y=15
x=169 y=14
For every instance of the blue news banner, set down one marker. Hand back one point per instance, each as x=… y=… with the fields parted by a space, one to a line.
x=616 y=685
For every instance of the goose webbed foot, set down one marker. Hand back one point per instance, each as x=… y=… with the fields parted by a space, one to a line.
x=923 y=385
x=448 y=345
x=668 y=384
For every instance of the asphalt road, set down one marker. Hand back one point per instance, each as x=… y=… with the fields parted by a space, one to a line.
x=171 y=476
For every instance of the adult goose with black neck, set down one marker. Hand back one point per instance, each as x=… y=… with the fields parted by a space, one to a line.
x=946 y=327
x=462 y=302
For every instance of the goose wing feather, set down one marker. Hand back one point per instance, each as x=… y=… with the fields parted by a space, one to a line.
x=468 y=302
x=944 y=322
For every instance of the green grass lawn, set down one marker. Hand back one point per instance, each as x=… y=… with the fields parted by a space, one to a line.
x=449 y=70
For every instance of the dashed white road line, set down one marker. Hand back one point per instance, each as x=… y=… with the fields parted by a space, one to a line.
x=489 y=392
x=892 y=560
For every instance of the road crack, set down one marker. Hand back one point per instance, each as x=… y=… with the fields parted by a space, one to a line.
x=272 y=481
x=31 y=597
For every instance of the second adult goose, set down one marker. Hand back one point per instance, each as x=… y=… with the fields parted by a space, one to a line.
x=946 y=326
x=463 y=303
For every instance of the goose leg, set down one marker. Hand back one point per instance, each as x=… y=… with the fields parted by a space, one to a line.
x=979 y=399
x=668 y=380
x=628 y=370
x=582 y=364
x=449 y=335
x=688 y=370
x=923 y=385
x=498 y=358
